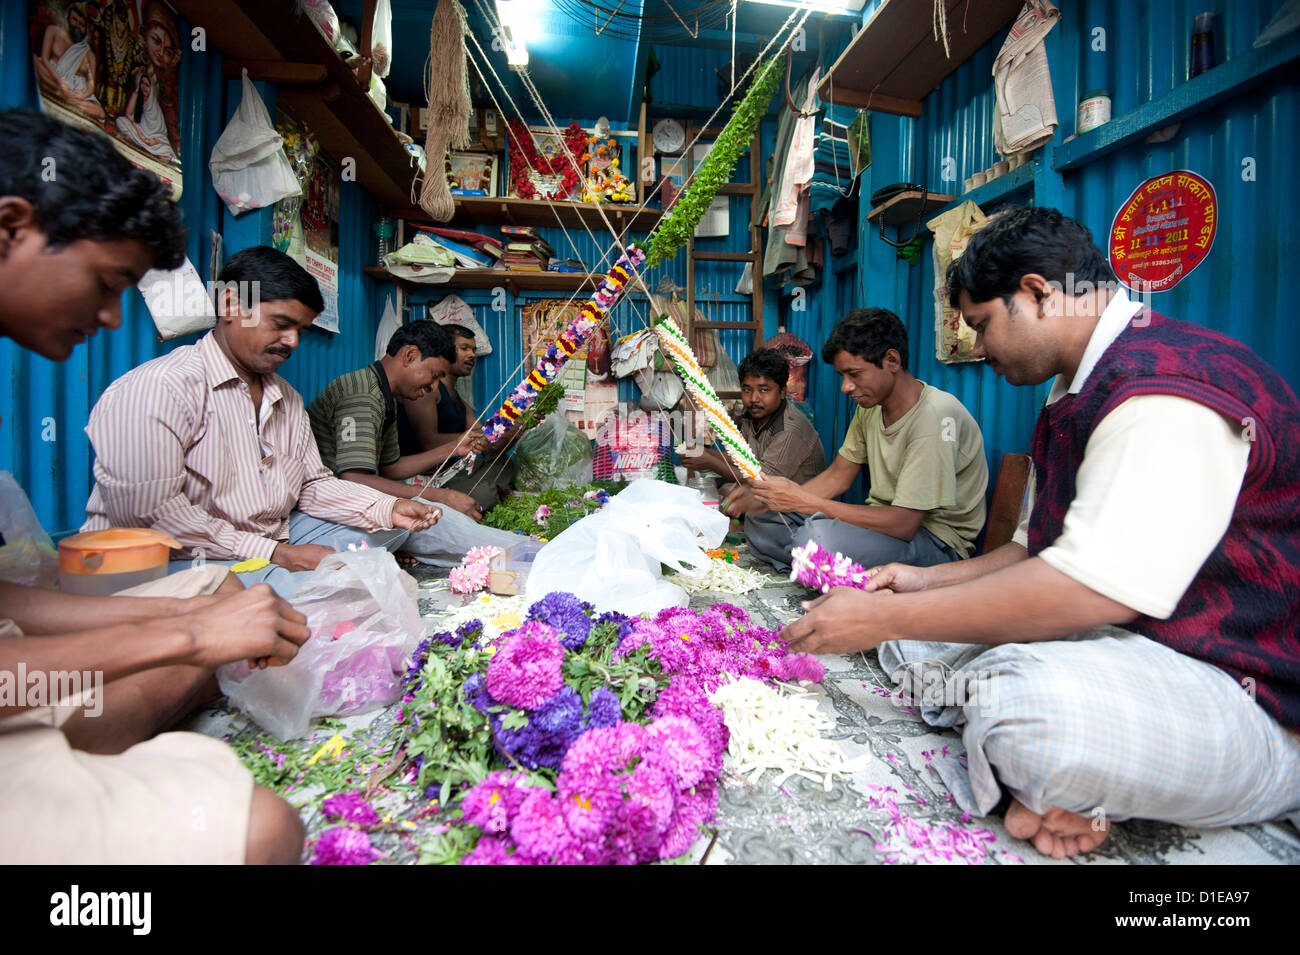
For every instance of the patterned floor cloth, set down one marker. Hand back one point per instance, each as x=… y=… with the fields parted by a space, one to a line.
x=894 y=811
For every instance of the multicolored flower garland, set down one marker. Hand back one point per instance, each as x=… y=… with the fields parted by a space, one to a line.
x=570 y=341
x=677 y=348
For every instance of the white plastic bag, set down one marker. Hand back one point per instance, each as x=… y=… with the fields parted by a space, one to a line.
x=381 y=38
x=27 y=555
x=249 y=167
x=388 y=326
x=612 y=558
x=365 y=624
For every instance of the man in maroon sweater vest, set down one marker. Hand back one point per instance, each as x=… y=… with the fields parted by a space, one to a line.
x=1135 y=651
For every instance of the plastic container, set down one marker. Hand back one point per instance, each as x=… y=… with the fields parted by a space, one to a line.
x=707 y=485
x=1094 y=111
x=508 y=572
x=98 y=563
x=1202 y=57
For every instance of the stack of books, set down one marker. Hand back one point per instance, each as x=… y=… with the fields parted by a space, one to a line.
x=525 y=250
x=473 y=250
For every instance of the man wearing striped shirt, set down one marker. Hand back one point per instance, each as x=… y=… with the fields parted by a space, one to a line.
x=210 y=445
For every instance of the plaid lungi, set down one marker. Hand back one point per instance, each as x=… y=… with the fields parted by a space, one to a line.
x=1107 y=720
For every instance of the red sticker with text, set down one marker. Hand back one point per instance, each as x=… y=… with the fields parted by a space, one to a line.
x=1164 y=231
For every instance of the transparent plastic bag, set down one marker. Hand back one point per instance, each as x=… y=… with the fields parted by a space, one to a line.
x=28 y=556
x=724 y=376
x=554 y=454
x=614 y=558
x=365 y=624
x=248 y=164
x=381 y=38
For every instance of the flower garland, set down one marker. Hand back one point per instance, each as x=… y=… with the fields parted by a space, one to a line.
x=814 y=566
x=525 y=158
x=677 y=348
x=678 y=224
x=570 y=341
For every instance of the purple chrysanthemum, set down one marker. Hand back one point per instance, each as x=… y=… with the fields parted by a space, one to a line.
x=351 y=807
x=603 y=709
x=540 y=833
x=525 y=671
x=476 y=692
x=566 y=615
x=343 y=846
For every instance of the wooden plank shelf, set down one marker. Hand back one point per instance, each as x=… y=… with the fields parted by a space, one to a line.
x=337 y=110
x=908 y=207
x=992 y=193
x=1231 y=78
x=495 y=278
x=474 y=210
x=895 y=61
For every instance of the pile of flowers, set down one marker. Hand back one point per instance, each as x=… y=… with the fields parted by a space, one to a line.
x=472 y=574
x=577 y=737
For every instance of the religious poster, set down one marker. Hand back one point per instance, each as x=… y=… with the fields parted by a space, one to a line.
x=1163 y=231
x=306 y=227
x=113 y=66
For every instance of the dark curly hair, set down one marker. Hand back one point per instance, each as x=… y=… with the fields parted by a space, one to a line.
x=867 y=333
x=1025 y=240
x=432 y=339
x=81 y=187
x=765 y=363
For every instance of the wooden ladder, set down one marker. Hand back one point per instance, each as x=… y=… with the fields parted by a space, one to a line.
x=753 y=189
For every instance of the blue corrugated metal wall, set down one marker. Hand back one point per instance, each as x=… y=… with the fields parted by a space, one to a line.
x=1145 y=56
x=45 y=405
x=1238 y=290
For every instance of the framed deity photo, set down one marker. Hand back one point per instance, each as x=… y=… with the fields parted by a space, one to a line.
x=472 y=174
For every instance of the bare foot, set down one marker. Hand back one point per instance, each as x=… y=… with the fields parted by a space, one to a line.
x=1057 y=833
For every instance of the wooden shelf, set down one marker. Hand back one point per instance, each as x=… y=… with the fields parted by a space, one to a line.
x=337 y=110
x=532 y=212
x=895 y=61
x=991 y=193
x=1228 y=79
x=494 y=278
x=908 y=207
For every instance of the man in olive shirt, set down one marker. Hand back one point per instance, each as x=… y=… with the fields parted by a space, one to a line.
x=922 y=450
x=781 y=436
x=354 y=421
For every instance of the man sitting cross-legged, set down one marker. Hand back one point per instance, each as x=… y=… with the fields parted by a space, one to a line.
x=86 y=778
x=355 y=423
x=921 y=449
x=211 y=446
x=1135 y=652
x=780 y=435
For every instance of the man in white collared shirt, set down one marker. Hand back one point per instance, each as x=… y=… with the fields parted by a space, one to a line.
x=1145 y=654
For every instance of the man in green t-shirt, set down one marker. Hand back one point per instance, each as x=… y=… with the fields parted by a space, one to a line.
x=355 y=423
x=921 y=449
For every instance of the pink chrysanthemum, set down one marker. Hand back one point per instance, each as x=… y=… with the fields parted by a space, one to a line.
x=492 y=804
x=814 y=566
x=490 y=851
x=478 y=554
x=351 y=807
x=685 y=750
x=540 y=832
x=343 y=846
x=525 y=671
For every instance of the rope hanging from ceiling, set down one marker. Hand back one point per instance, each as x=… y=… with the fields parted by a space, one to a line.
x=669 y=20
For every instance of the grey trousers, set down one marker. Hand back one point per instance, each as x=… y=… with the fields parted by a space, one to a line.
x=493 y=479
x=443 y=545
x=771 y=536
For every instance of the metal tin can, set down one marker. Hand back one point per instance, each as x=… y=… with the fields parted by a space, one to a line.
x=1094 y=111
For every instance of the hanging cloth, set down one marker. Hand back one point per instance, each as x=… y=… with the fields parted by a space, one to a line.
x=1022 y=82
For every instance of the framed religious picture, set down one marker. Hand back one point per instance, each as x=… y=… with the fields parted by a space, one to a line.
x=472 y=174
x=540 y=164
x=113 y=66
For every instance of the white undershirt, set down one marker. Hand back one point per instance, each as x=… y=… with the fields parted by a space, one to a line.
x=1154 y=494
